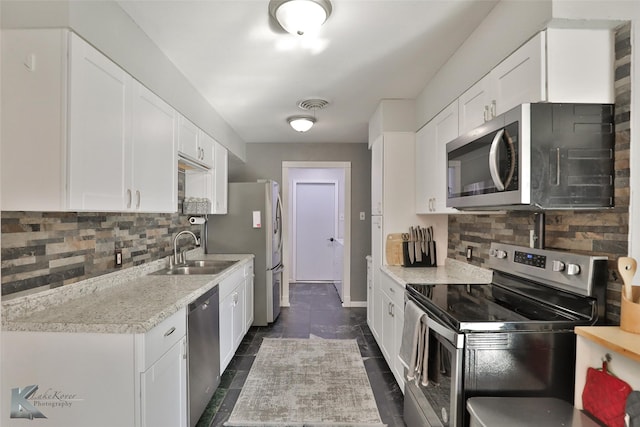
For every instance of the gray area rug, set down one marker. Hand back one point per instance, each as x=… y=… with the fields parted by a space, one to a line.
x=306 y=383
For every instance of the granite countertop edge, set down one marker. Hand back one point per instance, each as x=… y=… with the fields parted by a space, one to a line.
x=453 y=272
x=20 y=314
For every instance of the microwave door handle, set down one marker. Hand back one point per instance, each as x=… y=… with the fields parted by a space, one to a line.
x=493 y=160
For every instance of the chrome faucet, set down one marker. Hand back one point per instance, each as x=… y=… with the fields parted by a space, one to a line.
x=179 y=258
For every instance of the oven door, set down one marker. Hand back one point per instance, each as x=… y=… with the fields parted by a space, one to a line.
x=484 y=165
x=439 y=403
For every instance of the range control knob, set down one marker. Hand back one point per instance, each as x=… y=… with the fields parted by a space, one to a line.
x=573 y=269
x=500 y=254
x=557 y=266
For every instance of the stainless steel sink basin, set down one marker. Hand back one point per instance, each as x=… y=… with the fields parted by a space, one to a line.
x=210 y=263
x=197 y=267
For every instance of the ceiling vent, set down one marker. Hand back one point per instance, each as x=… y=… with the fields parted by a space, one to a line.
x=313 y=104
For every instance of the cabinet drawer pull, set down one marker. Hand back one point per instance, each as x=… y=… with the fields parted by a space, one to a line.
x=170 y=331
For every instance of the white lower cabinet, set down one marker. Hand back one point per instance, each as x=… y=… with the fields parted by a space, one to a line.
x=391 y=297
x=227 y=306
x=248 y=296
x=97 y=379
x=370 y=299
x=163 y=389
x=374 y=310
x=236 y=293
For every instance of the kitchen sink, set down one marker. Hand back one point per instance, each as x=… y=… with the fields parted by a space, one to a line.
x=196 y=267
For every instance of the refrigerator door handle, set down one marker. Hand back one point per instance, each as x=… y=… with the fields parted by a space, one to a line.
x=278 y=220
x=277 y=269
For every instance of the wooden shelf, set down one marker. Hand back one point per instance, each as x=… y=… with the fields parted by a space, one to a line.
x=613 y=338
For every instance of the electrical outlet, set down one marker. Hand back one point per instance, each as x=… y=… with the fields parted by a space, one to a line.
x=118 y=257
x=469 y=253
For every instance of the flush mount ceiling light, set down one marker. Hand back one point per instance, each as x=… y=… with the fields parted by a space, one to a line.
x=300 y=16
x=301 y=123
x=304 y=123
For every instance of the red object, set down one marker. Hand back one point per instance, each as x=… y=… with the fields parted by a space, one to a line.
x=604 y=396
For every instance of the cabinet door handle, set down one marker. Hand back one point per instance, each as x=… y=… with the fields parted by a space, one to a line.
x=170 y=331
x=138 y=197
x=129 y=198
x=492 y=108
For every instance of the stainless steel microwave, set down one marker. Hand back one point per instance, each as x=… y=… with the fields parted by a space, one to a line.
x=535 y=157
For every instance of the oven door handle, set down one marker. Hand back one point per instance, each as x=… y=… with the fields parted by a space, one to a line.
x=457 y=340
x=448 y=333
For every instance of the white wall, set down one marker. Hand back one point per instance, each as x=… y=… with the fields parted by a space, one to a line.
x=108 y=28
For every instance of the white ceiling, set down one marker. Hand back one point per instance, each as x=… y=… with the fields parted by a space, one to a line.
x=254 y=74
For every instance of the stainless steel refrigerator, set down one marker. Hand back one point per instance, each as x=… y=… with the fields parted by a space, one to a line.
x=253 y=225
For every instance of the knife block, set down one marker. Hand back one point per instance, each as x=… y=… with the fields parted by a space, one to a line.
x=426 y=260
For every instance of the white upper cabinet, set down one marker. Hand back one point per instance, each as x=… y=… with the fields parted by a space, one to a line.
x=211 y=184
x=206 y=147
x=520 y=78
x=34 y=63
x=221 y=178
x=99 y=125
x=187 y=138
x=431 y=159
x=194 y=144
x=476 y=105
x=556 y=65
x=153 y=161
x=93 y=137
x=121 y=139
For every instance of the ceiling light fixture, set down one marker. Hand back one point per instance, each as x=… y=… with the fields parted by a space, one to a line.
x=304 y=123
x=300 y=16
x=301 y=123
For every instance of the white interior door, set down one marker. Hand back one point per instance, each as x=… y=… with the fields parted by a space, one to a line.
x=315 y=228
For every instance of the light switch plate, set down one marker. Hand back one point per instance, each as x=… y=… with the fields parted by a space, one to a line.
x=257 y=222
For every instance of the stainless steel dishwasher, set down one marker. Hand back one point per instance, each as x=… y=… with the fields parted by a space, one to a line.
x=203 y=337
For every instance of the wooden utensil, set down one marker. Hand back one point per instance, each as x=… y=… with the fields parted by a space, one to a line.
x=627 y=269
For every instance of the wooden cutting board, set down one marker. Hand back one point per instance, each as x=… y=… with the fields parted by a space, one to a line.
x=393 y=249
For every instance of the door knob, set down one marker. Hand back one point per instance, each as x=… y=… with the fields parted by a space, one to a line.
x=331 y=239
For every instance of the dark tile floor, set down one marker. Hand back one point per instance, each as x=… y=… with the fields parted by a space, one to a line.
x=315 y=310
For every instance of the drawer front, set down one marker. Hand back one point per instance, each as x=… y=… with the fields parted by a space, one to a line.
x=161 y=338
x=227 y=285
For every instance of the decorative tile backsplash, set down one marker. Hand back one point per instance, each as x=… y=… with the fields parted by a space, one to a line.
x=43 y=250
x=603 y=232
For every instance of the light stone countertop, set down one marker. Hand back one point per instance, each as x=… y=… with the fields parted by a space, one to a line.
x=454 y=272
x=127 y=301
